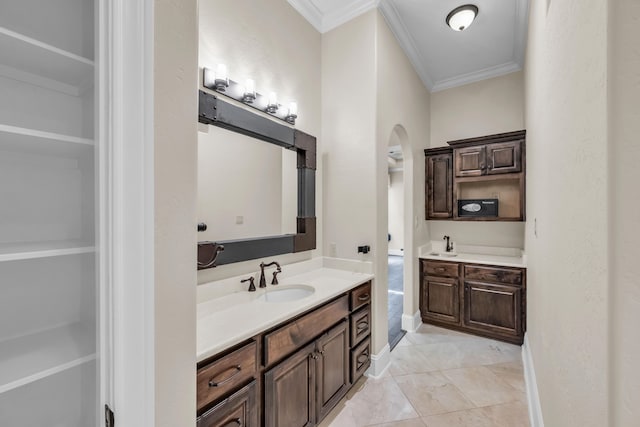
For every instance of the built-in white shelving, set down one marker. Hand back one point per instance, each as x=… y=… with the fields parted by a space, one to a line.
x=15 y=135
x=30 y=358
x=22 y=251
x=40 y=59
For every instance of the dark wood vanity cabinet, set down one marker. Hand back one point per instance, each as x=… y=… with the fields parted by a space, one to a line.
x=301 y=368
x=440 y=291
x=439 y=188
x=483 y=299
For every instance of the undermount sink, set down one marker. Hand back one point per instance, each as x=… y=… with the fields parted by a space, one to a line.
x=287 y=294
x=443 y=254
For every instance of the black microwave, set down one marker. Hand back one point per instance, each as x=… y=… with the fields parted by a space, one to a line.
x=478 y=208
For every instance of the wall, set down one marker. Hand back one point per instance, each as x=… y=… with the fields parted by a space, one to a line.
x=403 y=109
x=268 y=41
x=624 y=203
x=482 y=108
x=175 y=101
x=396 y=211
x=567 y=249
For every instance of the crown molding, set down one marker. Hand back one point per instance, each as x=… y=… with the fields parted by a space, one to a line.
x=476 y=76
x=397 y=27
x=309 y=11
x=327 y=22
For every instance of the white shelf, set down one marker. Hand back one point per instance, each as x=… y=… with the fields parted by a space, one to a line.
x=19 y=138
x=33 y=357
x=17 y=252
x=36 y=58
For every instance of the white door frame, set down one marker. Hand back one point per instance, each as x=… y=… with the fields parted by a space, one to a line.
x=126 y=183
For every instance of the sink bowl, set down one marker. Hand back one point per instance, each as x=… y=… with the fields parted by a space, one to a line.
x=443 y=254
x=287 y=293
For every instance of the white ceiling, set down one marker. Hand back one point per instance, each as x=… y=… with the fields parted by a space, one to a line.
x=492 y=46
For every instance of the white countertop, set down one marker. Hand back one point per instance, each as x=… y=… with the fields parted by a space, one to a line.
x=505 y=257
x=230 y=319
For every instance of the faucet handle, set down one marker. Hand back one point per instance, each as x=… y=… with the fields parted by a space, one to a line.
x=252 y=286
x=275 y=276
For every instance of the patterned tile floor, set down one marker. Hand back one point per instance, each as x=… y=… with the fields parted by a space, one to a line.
x=440 y=378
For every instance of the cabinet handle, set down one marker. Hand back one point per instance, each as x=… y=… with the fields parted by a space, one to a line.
x=361 y=326
x=364 y=297
x=314 y=356
x=213 y=383
x=363 y=358
x=440 y=269
x=236 y=422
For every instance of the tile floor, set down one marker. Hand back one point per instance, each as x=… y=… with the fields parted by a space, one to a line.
x=440 y=378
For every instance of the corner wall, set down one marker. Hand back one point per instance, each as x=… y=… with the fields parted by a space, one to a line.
x=566 y=233
x=624 y=205
x=175 y=110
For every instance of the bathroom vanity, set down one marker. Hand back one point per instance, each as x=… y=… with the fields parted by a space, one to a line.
x=273 y=361
x=483 y=294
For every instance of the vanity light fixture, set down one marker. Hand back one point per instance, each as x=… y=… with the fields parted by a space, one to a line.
x=292 y=113
x=249 y=94
x=272 y=104
x=461 y=17
x=221 y=80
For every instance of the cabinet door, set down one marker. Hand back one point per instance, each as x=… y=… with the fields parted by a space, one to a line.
x=239 y=410
x=440 y=299
x=332 y=368
x=470 y=161
x=439 y=186
x=504 y=158
x=492 y=307
x=289 y=390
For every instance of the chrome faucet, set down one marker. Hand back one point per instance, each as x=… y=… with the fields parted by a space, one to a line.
x=449 y=247
x=263 y=281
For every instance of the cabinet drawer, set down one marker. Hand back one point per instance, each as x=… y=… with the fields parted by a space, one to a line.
x=360 y=296
x=360 y=359
x=481 y=273
x=223 y=375
x=439 y=268
x=239 y=410
x=287 y=339
x=360 y=325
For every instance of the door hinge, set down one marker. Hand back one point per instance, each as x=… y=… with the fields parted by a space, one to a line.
x=109 y=417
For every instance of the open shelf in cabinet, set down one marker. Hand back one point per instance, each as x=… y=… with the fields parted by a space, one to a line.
x=32 y=357
x=43 y=64
x=508 y=189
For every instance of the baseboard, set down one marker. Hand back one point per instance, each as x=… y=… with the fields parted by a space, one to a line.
x=533 y=398
x=396 y=252
x=380 y=362
x=411 y=323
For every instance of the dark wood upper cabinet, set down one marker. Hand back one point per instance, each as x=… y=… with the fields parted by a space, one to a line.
x=439 y=186
x=488 y=167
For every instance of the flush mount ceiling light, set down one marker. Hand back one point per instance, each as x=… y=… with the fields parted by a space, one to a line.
x=461 y=17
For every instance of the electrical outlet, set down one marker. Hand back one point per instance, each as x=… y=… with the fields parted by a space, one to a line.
x=239 y=219
x=535 y=227
x=333 y=250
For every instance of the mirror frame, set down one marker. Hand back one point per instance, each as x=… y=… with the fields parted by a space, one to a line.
x=218 y=112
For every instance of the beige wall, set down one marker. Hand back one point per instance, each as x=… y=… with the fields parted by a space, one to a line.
x=403 y=109
x=176 y=103
x=268 y=41
x=624 y=199
x=481 y=108
x=566 y=119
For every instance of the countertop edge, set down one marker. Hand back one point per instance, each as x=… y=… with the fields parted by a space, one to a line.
x=468 y=258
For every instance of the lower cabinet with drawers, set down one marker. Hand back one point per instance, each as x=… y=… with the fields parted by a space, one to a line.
x=482 y=299
x=293 y=374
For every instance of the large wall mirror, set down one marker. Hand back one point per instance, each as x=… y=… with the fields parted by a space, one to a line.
x=256 y=185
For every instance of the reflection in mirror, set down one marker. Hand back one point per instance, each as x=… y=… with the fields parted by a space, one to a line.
x=246 y=188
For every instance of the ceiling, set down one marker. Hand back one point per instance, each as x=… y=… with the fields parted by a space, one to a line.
x=493 y=45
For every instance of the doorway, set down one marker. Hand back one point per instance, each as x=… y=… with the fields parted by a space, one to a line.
x=395 y=241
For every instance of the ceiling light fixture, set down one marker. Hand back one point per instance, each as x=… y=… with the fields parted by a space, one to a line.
x=461 y=17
